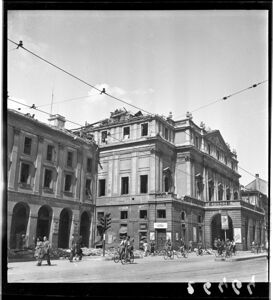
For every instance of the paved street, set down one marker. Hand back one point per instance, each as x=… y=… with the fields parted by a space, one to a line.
x=148 y=269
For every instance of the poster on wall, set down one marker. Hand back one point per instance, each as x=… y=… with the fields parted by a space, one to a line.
x=237 y=235
x=152 y=236
x=224 y=221
x=169 y=235
x=194 y=234
x=176 y=236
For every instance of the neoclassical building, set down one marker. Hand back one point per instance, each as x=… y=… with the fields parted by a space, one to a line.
x=162 y=178
x=51 y=182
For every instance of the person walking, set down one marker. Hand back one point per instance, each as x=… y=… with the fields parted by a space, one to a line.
x=145 y=245
x=47 y=247
x=73 y=248
x=190 y=246
x=122 y=246
x=39 y=251
x=78 y=248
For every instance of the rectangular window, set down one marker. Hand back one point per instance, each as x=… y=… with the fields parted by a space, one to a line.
x=197 y=141
x=124 y=185
x=27 y=145
x=103 y=136
x=161 y=213
x=101 y=187
x=88 y=187
x=49 y=153
x=225 y=160
x=69 y=159
x=143 y=214
x=144 y=129
x=143 y=183
x=25 y=173
x=48 y=179
x=218 y=154
x=209 y=150
x=89 y=165
x=68 y=183
x=166 y=133
x=124 y=214
x=126 y=132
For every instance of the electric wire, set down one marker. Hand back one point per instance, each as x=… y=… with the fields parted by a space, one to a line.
x=20 y=45
x=76 y=77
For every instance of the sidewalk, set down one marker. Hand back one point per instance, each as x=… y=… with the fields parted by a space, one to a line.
x=242 y=255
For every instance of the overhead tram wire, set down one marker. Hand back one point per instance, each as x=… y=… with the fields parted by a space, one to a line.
x=42 y=111
x=20 y=45
x=229 y=96
x=66 y=100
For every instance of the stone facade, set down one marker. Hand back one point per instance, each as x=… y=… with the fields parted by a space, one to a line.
x=51 y=184
x=162 y=178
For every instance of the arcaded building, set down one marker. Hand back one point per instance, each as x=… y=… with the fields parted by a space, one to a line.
x=51 y=184
x=161 y=178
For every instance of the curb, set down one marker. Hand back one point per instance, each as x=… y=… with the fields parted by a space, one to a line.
x=240 y=258
x=246 y=257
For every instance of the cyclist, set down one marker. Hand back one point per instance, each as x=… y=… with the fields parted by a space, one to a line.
x=168 y=246
x=130 y=246
x=182 y=246
x=122 y=246
x=127 y=246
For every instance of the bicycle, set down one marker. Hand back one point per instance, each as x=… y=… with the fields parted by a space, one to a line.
x=168 y=254
x=127 y=258
x=116 y=256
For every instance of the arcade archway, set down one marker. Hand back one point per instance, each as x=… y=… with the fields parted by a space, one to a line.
x=85 y=229
x=218 y=232
x=20 y=216
x=64 y=228
x=44 y=221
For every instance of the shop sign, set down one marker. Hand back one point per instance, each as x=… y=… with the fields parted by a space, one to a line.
x=237 y=235
x=224 y=221
x=160 y=225
x=176 y=236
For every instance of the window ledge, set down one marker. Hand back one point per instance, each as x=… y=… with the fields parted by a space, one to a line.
x=25 y=186
x=68 y=194
x=48 y=190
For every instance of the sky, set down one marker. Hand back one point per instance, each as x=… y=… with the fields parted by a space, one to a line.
x=161 y=61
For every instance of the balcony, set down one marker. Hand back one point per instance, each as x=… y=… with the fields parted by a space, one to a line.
x=238 y=203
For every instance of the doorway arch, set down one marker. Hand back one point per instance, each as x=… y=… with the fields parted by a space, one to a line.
x=44 y=221
x=20 y=217
x=85 y=228
x=217 y=231
x=64 y=228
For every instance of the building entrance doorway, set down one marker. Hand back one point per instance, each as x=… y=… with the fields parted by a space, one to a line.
x=85 y=229
x=64 y=228
x=44 y=222
x=160 y=238
x=19 y=224
x=216 y=229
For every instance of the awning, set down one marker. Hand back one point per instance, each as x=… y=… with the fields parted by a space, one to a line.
x=123 y=230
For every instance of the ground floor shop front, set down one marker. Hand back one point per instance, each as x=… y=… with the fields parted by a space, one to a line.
x=192 y=223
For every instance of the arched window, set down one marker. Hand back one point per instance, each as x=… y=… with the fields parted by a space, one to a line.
x=220 y=192
x=235 y=195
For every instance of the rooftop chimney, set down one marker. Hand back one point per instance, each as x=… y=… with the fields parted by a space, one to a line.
x=257 y=175
x=57 y=120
